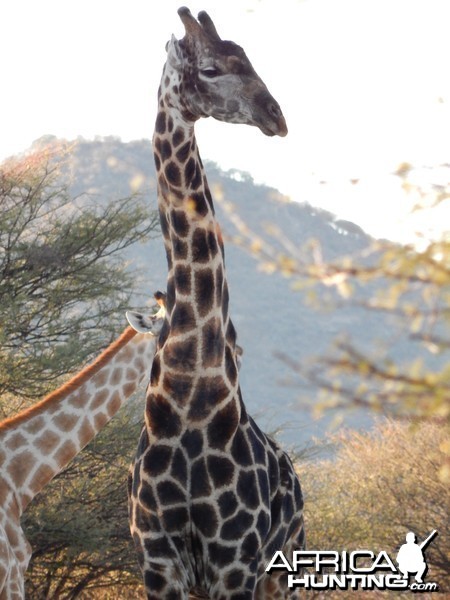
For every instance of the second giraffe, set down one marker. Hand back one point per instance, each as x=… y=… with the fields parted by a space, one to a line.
x=212 y=498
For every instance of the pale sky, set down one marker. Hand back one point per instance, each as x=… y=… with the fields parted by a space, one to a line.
x=364 y=86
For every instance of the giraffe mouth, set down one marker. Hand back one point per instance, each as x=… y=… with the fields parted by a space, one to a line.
x=277 y=127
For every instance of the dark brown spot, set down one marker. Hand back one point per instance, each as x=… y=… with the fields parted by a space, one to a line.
x=205 y=519
x=223 y=426
x=166 y=150
x=178 y=386
x=196 y=180
x=204 y=291
x=41 y=477
x=230 y=366
x=86 y=433
x=192 y=441
x=175 y=519
x=159 y=546
x=208 y=195
x=160 y=125
x=183 y=279
x=247 y=489
x=157 y=459
x=234 y=527
x=170 y=493
x=156 y=370
x=240 y=450
x=183 y=152
x=219 y=284
x=178 y=136
x=180 y=249
x=231 y=334
x=189 y=172
x=67 y=422
x=18 y=439
x=183 y=318
x=114 y=404
x=164 y=224
x=100 y=421
x=200 y=485
x=221 y=555
x=67 y=451
x=224 y=302
x=234 y=579
x=199 y=204
x=147 y=498
x=180 y=223
x=164 y=421
x=221 y=470
x=209 y=392
x=47 y=442
x=173 y=174
x=212 y=343
x=200 y=248
x=228 y=504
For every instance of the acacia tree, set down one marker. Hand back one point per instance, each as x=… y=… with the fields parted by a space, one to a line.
x=64 y=288
x=64 y=285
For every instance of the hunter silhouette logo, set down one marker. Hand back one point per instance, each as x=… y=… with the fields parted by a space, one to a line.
x=410 y=557
x=357 y=570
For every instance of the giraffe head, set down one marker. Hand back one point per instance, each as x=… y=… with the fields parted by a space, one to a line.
x=217 y=79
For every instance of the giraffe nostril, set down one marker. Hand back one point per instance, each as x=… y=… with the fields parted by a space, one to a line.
x=274 y=110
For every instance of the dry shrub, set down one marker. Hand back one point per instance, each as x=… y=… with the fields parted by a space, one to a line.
x=379 y=486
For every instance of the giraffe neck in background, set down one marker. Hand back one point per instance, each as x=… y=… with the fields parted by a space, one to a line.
x=38 y=443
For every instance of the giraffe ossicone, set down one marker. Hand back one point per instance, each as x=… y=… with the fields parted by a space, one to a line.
x=39 y=442
x=211 y=496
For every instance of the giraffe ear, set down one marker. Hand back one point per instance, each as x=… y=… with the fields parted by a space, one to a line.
x=145 y=324
x=174 y=54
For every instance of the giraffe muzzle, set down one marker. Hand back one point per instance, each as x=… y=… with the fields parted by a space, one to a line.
x=268 y=115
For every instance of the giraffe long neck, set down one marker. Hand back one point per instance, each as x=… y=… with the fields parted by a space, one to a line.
x=39 y=442
x=194 y=374
x=191 y=233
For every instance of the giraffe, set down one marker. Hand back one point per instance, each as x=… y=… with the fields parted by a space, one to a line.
x=39 y=442
x=211 y=497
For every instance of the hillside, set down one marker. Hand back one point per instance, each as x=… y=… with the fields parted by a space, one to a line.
x=268 y=314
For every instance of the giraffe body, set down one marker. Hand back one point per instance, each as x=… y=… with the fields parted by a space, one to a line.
x=211 y=497
x=38 y=443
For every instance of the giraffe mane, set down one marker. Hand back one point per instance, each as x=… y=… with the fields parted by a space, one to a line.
x=73 y=384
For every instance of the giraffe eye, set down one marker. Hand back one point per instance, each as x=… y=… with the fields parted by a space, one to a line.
x=210 y=72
